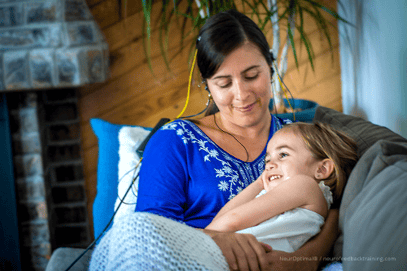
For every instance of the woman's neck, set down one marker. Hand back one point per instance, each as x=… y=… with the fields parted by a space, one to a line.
x=245 y=132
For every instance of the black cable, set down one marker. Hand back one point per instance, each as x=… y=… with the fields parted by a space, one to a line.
x=105 y=229
x=206 y=107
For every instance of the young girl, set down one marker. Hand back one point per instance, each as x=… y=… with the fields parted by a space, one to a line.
x=302 y=161
x=306 y=168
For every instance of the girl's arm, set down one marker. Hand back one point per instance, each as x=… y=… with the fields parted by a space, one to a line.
x=248 y=194
x=299 y=191
x=312 y=252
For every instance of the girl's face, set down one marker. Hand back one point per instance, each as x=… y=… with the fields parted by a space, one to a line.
x=241 y=87
x=287 y=156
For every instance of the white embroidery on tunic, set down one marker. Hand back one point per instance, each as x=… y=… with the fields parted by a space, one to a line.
x=229 y=178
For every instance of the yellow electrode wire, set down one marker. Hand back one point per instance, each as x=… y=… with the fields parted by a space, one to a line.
x=189 y=85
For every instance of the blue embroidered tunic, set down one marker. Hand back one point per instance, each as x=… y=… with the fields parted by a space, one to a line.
x=187 y=177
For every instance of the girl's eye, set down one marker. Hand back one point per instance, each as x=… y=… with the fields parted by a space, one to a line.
x=225 y=85
x=283 y=154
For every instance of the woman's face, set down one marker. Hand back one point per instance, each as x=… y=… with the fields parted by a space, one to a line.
x=241 y=87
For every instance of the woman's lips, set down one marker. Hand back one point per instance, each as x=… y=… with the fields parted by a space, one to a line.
x=245 y=108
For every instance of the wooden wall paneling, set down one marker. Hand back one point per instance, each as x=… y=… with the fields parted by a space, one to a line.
x=106 y=12
x=130 y=7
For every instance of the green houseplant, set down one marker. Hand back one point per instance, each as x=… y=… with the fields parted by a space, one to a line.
x=278 y=16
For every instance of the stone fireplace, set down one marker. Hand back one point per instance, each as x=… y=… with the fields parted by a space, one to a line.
x=50 y=187
x=48 y=48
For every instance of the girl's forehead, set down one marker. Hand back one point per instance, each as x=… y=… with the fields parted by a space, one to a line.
x=288 y=136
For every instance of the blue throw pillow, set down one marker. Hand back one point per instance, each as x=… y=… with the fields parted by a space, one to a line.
x=107 y=171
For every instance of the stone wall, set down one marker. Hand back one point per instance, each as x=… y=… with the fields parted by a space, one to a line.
x=49 y=176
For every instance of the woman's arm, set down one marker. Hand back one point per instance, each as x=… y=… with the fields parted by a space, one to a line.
x=312 y=253
x=162 y=179
x=296 y=192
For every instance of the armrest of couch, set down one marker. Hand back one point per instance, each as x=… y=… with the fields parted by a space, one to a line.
x=372 y=216
x=63 y=257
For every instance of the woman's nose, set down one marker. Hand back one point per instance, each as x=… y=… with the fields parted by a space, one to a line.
x=241 y=91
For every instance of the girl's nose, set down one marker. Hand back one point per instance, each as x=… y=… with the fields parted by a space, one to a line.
x=270 y=165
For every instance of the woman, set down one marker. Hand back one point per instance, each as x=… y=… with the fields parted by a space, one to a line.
x=190 y=170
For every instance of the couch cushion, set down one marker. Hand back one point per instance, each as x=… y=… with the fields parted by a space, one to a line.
x=108 y=169
x=364 y=132
x=373 y=216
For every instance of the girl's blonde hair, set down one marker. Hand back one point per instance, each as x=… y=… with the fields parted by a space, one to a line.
x=325 y=142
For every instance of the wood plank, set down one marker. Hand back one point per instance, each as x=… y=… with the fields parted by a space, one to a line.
x=106 y=13
x=130 y=7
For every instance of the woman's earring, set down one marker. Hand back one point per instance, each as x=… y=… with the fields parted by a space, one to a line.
x=209 y=99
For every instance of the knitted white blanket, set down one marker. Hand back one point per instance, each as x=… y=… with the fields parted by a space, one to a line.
x=143 y=241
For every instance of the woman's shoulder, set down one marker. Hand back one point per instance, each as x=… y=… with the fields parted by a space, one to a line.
x=176 y=132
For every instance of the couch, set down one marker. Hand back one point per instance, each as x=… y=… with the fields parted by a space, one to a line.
x=372 y=215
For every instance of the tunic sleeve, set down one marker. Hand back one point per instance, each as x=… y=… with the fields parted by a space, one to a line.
x=163 y=176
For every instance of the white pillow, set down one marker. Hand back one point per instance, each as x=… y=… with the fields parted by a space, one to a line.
x=129 y=140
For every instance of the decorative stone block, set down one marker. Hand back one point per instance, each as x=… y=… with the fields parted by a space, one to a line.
x=26 y=143
x=95 y=65
x=32 y=211
x=30 y=37
x=11 y=14
x=82 y=33
x=31 y=188
x=76 y=10
x=41 y=12
x=68 y=69
x=35 y=233
x=66 y=26
x=21 y=100
x=16 y=70
x=24 y=121
x=28 y=165
x=35 y=257
x=42 y=68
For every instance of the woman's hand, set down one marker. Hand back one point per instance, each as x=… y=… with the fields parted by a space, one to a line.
x=242 y=251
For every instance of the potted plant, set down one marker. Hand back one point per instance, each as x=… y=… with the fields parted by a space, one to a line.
x=268 y=14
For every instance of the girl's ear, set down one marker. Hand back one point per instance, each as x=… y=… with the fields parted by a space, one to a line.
x=325 y=168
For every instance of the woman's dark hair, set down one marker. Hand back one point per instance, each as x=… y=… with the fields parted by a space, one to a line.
x=223 y=33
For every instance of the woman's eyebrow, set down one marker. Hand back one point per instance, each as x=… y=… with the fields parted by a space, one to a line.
x=228 y=76
x=251 y=67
